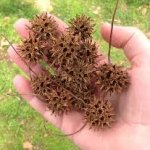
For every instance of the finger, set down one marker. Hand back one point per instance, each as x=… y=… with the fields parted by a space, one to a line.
x=135 y=44
x=26 y=91
x=21 y=27
x=61 y=24
x=21 y=63
x=101 y=59
x=23 y=31
x=39 y=106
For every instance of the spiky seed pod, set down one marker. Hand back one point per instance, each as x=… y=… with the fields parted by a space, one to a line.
x=64 y=81
x=82 y=26
x=112 y=78
x=88 y=51
x=100 y=114
x=44 y=27
x=42 y=85
x=65 y=50
x=78 y=81
x=60 y=101
x=80 y=104
x=57 y=98
x=77 y=78
x=81 y=70
x=31 y=50
x=69 y=50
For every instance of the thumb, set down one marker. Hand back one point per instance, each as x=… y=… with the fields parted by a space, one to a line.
x=135 y=44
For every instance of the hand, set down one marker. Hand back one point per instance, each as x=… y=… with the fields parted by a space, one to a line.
x=132 y=130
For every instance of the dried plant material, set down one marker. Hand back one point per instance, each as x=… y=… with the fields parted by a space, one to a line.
x=42 y=85
x=65 y=50
x=100 y=114
x=69 y=50
x=60 y=101
x=31 y=50
x=27 y=145
x=3 y=43
x=80 y=71
x=44 y=27
x=76 y=80
x=48 y=90
x=88 y=51
x=82 y=26
x=112 y=78
x=76 y=89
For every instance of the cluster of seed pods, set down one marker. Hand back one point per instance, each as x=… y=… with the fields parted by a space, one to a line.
x=73 y=78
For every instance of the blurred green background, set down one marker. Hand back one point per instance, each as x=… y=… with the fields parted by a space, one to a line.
x=20 y=126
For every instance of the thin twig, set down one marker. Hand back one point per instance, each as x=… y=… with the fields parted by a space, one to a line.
x=19 y=55
x=69 y=134
x=111 y=33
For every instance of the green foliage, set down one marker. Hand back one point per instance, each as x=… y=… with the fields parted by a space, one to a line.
x=137 y=2
x=17 y=8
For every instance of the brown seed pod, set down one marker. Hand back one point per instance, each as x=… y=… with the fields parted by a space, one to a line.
x=60 y=101
x=31 y=50
x=76 y=88
x=88 y=51
x=112 y=78
x=44 y=27
x=69 y=50
x=42 y=85
x=100 y=114
x=74 y=70
x=82 y=26
x=77 y=78
x=65 y=50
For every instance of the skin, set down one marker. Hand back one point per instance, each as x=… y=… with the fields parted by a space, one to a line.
x=132 y=129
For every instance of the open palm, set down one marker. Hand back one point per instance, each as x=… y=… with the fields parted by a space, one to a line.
x=132 y=130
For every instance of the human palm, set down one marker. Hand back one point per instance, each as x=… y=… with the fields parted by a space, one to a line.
x=131 y=131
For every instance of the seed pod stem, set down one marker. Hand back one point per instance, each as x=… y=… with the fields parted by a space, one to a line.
x=18 y=54
x=111 y=32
